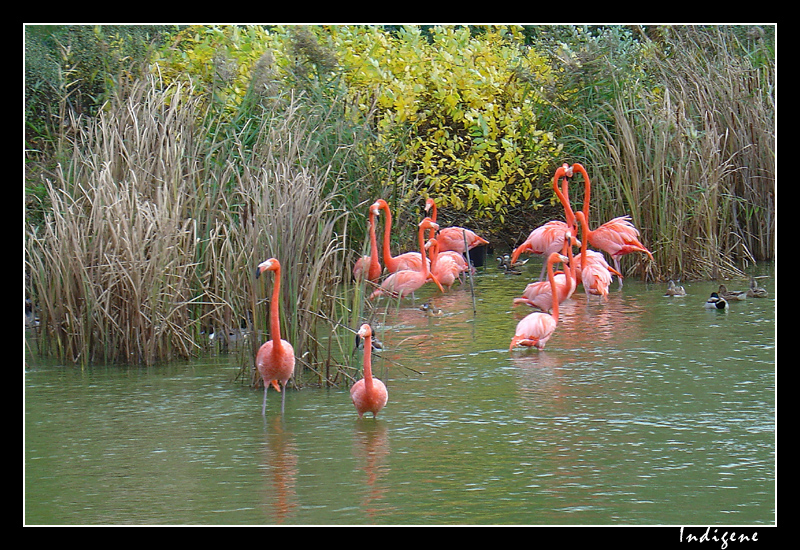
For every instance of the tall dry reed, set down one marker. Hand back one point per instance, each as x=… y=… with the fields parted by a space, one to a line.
x=111 y=269
x=692 y=161
x=156 y=230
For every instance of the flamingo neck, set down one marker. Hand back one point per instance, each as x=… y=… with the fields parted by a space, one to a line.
x=373 y=244
x=434 y=252
x=584 y=238
x=570 y=271
x=368 y=363
x=553 y=290
x=422 y=251
x=563 y=196
x=274 y=316
x=587 y=189
x=387 y=255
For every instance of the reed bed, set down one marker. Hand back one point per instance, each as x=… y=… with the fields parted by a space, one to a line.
x=111 y=270
x=692 y=161
x=155 y=230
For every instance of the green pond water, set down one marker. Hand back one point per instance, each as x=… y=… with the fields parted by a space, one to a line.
x=642 y=410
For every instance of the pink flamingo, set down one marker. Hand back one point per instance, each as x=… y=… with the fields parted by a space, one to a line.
x=549 y=238
x=369 y=265
x=443 y=266
x=409 y=260
x=406 y=281
x=617 y=237
x=594 y=272
x=536 y=328
x=368 y=394
x=456 y=239
x=275 y=358
x=539 y=294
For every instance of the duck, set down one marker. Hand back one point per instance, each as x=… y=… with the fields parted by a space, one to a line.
x=731 y=295
x=756 y=291
x=505 y=265
x=431 y=310
x=715 y=301
x=674 y=290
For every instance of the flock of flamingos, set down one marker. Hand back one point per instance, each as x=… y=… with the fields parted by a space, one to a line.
x=447 y=248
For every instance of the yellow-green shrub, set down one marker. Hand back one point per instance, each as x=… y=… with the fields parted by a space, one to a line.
x=220 y=60
x=454 y=110
x=450 y=106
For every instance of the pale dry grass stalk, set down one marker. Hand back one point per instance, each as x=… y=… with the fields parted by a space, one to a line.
x=155 y=234
x=282 y=205
x=112 y=268
x=693 y=164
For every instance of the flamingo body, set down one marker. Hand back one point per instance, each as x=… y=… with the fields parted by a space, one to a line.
x=444 y=266
x=539 y=294
x=535 y=329
x=369 y=395
x=458 y=239
x=617 y=237
x=275 y=357
x=545 y=239
x=404 y=282
x=454 y=239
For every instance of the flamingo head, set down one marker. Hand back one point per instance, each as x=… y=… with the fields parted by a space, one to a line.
x=380 y=204
x=563 y=171
x=428 y=223
x=365 y=331
x=270 y=265
x=429 y=204
x=579 y=168
x=555 y=257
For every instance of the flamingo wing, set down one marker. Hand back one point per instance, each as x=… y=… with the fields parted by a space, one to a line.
x=617 y=237
x=452 y=238
x=545 y=239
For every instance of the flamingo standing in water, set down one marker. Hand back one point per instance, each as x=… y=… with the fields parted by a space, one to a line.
x=368 y=394
x=536 y=329
x=369 y=266
x=539 y=294
x=409 y=260
x=456 y=239
x=549 y=238
x=406 y=281
x=617 y=237
x=275 y=358
x=594 y=272
x=444 y=267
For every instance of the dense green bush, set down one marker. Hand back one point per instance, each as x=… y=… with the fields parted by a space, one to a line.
x=449 y=105
x=453 y=107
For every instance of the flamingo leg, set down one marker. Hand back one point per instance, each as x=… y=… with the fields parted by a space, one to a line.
x=264 y=403
x=616 y=266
